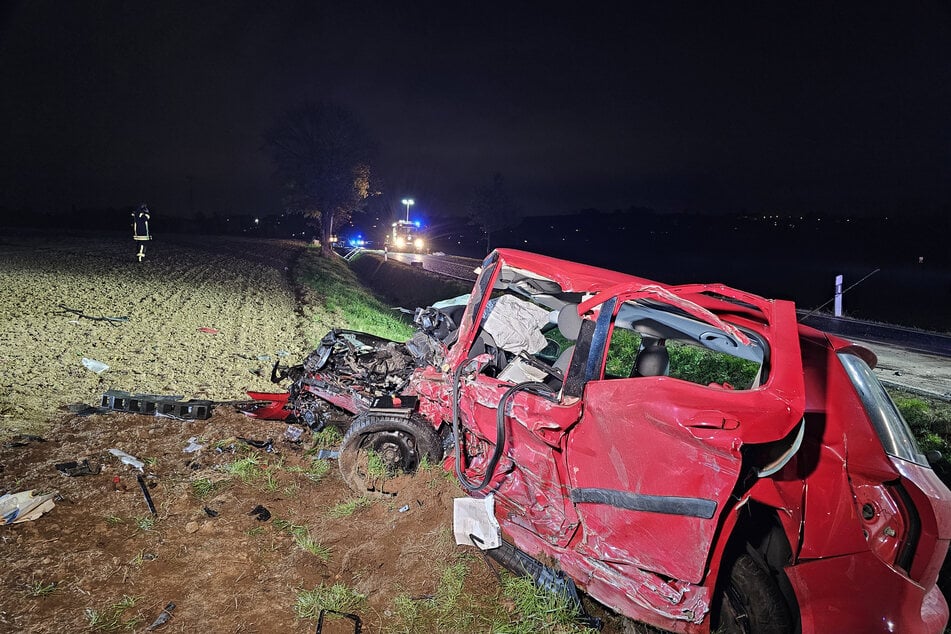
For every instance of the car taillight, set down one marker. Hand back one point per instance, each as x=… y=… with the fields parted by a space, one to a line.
x=889 y=521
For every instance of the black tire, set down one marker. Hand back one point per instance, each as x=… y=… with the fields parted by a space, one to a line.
x=751 y=601
x=400 y=443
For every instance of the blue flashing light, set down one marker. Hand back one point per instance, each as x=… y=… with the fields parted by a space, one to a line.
x=416 y=222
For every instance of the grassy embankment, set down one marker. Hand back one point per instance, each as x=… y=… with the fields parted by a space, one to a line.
x=331 y=296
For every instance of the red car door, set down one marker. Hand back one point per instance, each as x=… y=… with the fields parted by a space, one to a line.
x=654 y=459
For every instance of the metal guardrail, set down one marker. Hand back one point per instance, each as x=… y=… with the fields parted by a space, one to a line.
x=908 y=338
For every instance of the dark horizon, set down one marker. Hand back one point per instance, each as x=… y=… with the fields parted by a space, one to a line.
x=789 y=109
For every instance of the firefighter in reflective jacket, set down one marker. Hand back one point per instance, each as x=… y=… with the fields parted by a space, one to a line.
x=140 y=228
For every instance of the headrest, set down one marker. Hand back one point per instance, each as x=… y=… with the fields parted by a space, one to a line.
x=653 y=359
x=569 y=322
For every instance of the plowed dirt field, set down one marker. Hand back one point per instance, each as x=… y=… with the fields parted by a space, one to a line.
x=203 y=320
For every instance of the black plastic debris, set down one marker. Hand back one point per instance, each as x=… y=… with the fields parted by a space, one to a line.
x=156 y=405
x=81 y=409
x=112 y=321
x=261 y=513
x=75 y=469
x=145 y=494
x=357 y=624
x=162 y=618
x=22 y=440
x=266 y=445
x=210 y=512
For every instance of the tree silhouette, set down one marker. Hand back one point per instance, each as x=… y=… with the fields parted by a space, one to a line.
x=491 y=208
x=322 y=156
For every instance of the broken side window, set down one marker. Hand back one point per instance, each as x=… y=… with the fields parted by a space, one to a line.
x=649 y=341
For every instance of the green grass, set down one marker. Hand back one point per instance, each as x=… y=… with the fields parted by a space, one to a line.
x=348 y=508
x=204 y=488
x=703 y=366
x=271 y=483
x=138 y=559
x=687 y=362
x=929 y=419
x=114 y=520
x=376 y=467
x=441 y=611
x=341 y=301
x=145 y=523
x=40 y=588
x=303 y=538
x=448 y=609
x=448 y=595
x=112 y=618
x=326 y=438
x=306 y=542
x=930 y=422
x=247 y=469
x=315 y=472
x=338 y=597
x=250 y=470
x=536 y=610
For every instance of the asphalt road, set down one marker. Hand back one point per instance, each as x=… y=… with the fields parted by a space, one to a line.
x=449 y=265
x=916 y=372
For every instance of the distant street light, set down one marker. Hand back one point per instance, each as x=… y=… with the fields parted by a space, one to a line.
x=408 y=202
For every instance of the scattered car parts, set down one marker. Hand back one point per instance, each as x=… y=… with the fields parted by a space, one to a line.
x=75 y=469
x=146 y=495
x=156 y=405
x=357 y=624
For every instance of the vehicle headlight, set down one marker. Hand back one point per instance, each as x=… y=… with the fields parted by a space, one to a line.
x=400 y=242
x=419 y=243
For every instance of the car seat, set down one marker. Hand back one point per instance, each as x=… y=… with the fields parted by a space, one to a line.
x=653 y=359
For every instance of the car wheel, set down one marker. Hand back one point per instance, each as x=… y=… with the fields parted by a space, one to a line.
x=751 y=601
x=379 y=453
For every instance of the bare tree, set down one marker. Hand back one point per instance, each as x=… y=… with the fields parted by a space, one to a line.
x=322 y=156
x=491 y=208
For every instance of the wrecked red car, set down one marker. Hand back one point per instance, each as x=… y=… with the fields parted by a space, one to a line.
x=689 y=456
x=350 y=370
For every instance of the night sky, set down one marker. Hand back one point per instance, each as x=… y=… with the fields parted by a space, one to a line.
x=839 y=107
